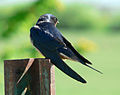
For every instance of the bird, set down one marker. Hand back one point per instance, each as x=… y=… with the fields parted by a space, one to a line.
x=49 y=41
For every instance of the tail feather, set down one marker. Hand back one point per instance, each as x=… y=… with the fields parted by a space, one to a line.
x=81 y=61
x=86 y=61
x=93 y=68
x=59 y=63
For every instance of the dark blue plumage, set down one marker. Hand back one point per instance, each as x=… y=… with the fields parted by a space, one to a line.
x=50 y=42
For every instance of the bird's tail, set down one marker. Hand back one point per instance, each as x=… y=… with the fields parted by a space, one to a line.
x=93 y=68
x=76 y=57
x=85 y=63
x=59 y=63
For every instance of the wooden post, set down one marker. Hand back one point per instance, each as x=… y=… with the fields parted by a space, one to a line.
x=39 y=79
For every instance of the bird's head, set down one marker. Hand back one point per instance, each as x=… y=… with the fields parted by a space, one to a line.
x=48 y=18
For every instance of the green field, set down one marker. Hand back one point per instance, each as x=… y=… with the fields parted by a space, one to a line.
x=105 y=58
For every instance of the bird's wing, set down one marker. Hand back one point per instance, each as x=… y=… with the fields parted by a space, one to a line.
x=68 y=44
x=45 y=39
x=79 y=58
x=69 y=48
x=48 y=45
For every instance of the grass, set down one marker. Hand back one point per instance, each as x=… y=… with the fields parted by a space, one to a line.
x=105 y=58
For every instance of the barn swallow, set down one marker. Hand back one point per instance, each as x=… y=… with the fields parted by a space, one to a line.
x=54 y=46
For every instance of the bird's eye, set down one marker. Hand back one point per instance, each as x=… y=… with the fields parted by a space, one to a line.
x=54 y=19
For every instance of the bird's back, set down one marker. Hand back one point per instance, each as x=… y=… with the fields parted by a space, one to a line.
x=50 y=28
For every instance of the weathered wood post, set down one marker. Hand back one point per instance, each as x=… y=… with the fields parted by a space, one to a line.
x=39 y=79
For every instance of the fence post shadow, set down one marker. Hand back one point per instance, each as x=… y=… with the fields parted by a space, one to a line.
x=39 y=80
